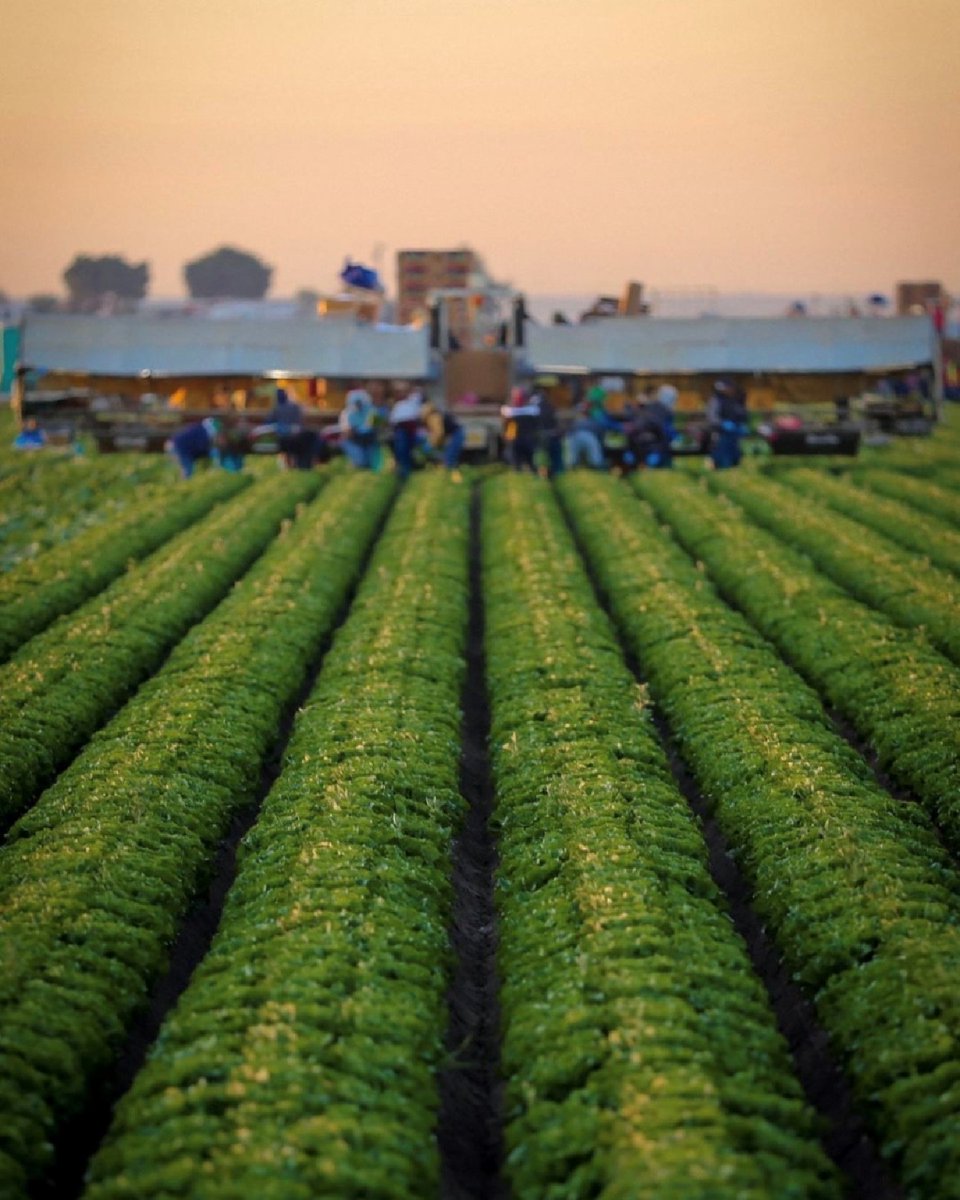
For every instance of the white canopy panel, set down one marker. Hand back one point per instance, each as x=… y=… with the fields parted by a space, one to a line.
x=187 y=346
x=714 y=345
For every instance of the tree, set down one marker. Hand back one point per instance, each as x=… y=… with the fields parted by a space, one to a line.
x=91 y=280
x=227 y=274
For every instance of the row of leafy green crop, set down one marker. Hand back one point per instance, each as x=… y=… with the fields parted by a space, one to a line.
x=782 y=467
x=899 y=694
x=947 y=477
x=43 y=588
x=912 y=529
x=640 y=1051
x=94 y=880
x=64 y=683
x=940 y=502
x=917 y=456
x=36 y=479
x=44 y=501
x=861 y=897
x=867 y=564
x=300 y=1062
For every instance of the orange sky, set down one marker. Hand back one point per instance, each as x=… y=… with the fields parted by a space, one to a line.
x=807 y=145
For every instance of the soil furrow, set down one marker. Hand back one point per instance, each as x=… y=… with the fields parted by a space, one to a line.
x=469 y=1130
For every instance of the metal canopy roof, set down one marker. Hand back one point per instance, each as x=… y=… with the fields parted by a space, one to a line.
x=713 y=345
x=185 y=347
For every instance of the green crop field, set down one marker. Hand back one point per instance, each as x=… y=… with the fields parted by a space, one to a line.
x=506 y=838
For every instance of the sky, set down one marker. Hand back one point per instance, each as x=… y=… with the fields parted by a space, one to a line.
x=764 y=145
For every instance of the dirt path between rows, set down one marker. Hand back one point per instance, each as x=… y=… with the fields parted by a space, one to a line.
x=469 y=1131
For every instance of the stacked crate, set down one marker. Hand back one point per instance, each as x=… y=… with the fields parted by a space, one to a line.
x=419 y=271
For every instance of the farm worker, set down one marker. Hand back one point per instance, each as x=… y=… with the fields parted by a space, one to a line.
x=603 y=422
x=381 y=422
x=405 y=422
x=358 y=422
x=551 y=439
x=234 y=444
x=298 y=446
x=445 y=432
x=727 y=416
x=583 y=443
x=30 y=437
x=597 y=409
x=194 y=442
x=522 y=417
x=286 y=416
x=657 y=421
x=287 y=421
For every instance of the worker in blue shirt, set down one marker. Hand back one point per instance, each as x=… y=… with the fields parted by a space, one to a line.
x=193 y=443
x=30 y=437
x=287 y=421
x=601 y=421
x=657 y=423
x=727 y=414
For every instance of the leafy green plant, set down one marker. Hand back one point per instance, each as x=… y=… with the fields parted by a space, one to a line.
x=854 y=885
x=867 y=564
x=940 y=502
x=46 y=501
x=95 y=879
x=640 y=1052
x=301 y=1059
x=43 y=588
x=64 y=683
x=899 y=694
x=924 y=535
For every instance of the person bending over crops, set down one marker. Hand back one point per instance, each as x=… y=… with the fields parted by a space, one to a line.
x=446 y=434
x=583 y=442
x=592 y=423
x=195 y=442
x=656 y=423
x=521 y=429
x=608 y=428
x=405 y=421
x=358 y=423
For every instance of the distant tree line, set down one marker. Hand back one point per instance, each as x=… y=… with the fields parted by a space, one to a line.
x=90 y=281
x=227 y=273
x=108 y=280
